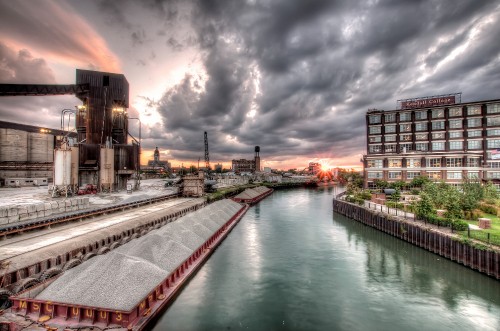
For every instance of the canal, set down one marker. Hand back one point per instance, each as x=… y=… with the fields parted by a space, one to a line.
x=292 y=264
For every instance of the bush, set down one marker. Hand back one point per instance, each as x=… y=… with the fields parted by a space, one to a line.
x=459 y=225
x=488 y=209
x=415 y=191
x=392 y=204
x=472 y=215
x=365 y=195
x=439 y=221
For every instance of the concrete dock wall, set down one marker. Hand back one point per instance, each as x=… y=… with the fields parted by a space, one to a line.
x=483 y=260
x=17 y=213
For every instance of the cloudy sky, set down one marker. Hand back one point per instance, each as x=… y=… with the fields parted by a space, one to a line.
x=294 y=77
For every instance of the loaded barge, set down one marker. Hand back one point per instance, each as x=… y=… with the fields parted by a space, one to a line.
x=126 y=288
x=253 y=195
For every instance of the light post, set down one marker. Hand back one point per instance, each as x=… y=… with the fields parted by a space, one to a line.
x=138 y=167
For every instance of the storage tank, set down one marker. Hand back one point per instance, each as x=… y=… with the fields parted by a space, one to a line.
x=107 y=168
x=62 y=167
x=74 y=166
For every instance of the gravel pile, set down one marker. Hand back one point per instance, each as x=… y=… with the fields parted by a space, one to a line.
x=251 y=193
x=120 y=279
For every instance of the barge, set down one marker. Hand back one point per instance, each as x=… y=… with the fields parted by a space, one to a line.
x=126 y=288
x=253 y=195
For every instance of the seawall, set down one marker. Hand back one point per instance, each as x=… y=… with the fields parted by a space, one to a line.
x=483 y=260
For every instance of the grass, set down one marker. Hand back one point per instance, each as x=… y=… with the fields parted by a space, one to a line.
x=482 y=235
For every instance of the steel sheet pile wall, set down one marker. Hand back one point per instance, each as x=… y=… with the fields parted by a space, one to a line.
x=118 y=287
x=252 y=195
x=485 y=261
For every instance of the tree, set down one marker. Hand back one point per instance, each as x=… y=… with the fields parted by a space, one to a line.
x=472 y=194
x=452 y=204
x=380 y=183
x=398 y=185
x=419 y=181
x=424 y=206
x=490 y=192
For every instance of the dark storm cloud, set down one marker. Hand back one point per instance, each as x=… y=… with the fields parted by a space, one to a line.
x=21 y=67
x=320 y=65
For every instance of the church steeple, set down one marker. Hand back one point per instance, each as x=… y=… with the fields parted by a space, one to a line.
x=156 y=155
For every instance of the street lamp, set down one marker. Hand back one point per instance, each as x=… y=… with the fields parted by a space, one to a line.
x=137 y=179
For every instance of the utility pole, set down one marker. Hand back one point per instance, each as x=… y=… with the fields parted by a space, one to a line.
x=207 y=158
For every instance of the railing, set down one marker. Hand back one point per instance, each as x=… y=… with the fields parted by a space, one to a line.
x=390 y=211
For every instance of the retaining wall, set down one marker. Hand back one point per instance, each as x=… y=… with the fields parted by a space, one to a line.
x=482 y=260
x=12 y=214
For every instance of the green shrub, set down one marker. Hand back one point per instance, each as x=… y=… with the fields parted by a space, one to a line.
x=392 y=204
x=439 y=221
x=415 y=191
x=365 y=195
x=459 y=225
x=488 y=209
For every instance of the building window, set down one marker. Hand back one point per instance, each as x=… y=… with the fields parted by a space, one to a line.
x=473 y=110
x=454 y=162
x=375 y=129
x=390 y=117
x=454 y=175
x=405 y=148
x=394 y=174
x=494 y=164
x=493 y=108
x=421 y=115
x=374 y=163
x=493 y=121
x=473 y=162
x=455 y=124
x=455 y=112
x=475 y=133
x=474 y=122
x=493 y=132
x=493 y=143
x=421 y=126
x=455 y=134
x=375 y=148
x=455 y=145
x=421 y=136
x=375 y=174
x=438 y=113
x=438 y=146
x=438 y=135
x=405 y=128
x=391 y=148
x=422 y=147
x=404 y=117
x=439 y=125
x=493 y=174
x=405 y=137
x=434 y=174
x=472 y=174
x=374 y=119
x=412 y=174
x=474 y=144
x=390 y=138
x=413 y=163
x=394 y=163
x=375 y=139
x=390 y=129
x=434 y=163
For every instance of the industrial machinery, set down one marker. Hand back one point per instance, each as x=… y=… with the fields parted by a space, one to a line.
x=101 y=155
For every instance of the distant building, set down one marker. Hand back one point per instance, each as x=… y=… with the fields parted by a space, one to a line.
x=156 y=166
x=243 y=165
x=314 y=167
x=218 y=167
x=267 y=169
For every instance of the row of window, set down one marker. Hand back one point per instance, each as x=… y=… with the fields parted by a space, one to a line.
x=434 y=146
x=450 y=162
x=434 y=135
x=435 y=125
x=430 y=174
x=405 y=116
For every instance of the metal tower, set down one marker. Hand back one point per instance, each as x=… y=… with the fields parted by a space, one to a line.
x=207 y=157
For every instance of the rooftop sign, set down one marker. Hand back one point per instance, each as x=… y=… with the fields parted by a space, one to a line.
x=438 y=100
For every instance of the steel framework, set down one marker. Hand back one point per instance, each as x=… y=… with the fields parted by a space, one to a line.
x=207 y=157
x=38 y=89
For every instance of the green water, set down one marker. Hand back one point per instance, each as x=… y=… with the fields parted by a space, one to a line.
x=292 y=264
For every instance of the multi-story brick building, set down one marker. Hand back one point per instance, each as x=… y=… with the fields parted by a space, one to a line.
x=433 y=137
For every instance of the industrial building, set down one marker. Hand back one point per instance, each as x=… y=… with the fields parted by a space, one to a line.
x=438 y=137
x=27 y=154
x=101 y=155
x=244 y=165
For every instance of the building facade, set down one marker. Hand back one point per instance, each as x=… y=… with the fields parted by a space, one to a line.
x=447 y=142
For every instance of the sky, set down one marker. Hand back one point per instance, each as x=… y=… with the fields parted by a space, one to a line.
x=293 y=77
